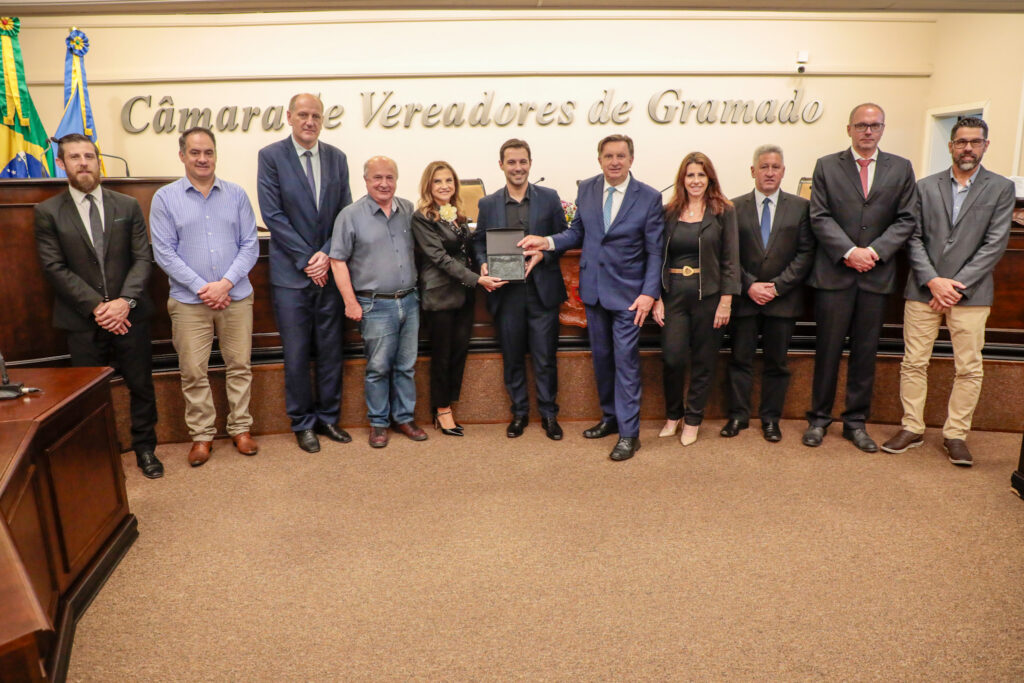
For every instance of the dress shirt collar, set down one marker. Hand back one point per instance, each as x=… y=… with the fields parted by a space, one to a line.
x=620 y=188
x=300 y=150
x=873 y=157
x=375 y=207
x=759 y=198
x=190 y=186
x=970 y=181
x=509 y=199
x=79 y=196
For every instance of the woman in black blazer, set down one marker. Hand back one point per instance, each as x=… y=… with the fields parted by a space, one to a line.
x=446 y=282
x=700 y=275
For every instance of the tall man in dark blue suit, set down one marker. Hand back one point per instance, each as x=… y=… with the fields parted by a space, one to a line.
x=620 y=225
x=303 y=186
x=525 y=313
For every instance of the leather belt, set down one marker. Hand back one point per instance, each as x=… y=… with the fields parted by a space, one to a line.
x=685 y=271
x=388 y=295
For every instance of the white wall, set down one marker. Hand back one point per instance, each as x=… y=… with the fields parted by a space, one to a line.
x=424 y=57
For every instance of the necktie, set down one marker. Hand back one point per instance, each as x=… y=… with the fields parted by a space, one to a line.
x=309 y=175
x=766 y=221
x=96 y=229
x=608 y=209
x=864 y=163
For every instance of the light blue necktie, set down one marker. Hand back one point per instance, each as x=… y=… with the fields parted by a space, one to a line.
x=608 y=209
x=766 y=221
x=309 y=176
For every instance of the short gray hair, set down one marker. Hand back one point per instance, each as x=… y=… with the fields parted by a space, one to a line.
x=366 y=164
x=768 y=149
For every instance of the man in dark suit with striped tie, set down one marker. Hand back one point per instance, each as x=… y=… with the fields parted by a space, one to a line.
x=862 y=213
x=776 y=252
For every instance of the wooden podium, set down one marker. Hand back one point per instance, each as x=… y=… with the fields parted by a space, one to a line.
x=64 y=517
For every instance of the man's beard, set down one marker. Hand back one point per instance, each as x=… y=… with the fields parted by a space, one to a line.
x=75 y=183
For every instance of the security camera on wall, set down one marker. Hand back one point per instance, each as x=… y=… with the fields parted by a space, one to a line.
x=801 y=61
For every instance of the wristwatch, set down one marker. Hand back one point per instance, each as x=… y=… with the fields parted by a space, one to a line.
x=131 y=301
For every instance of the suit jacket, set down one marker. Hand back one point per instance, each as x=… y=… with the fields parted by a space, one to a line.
x=967 y=250
x=546 y=218
x=70 y=264
x=842 y=218
x=785 y=260
x=718 y=247
x=297 y=228
x=442 y=259
x=619 y=265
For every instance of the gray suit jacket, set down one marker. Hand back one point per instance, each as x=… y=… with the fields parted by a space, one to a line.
x=70 y=264
x=842 y=218
x=967 y=250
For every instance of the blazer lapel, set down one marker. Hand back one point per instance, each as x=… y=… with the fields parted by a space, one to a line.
x=882 y=168
x=108 y=222
x=849 y=168
x=300 y=170
x=72 y=216
x=780 y=220
x=946 y=192
x=534 y=209
x=977 y=188
x=632 y=190
x=324 y=166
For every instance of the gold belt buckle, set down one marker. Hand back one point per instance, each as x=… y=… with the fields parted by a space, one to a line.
x=688 y=271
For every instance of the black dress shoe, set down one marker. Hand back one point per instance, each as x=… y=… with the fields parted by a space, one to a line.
x=307 y=440
x=601 y=430
x=625 y=448
x=552 y=428
x=150 y=466
x=813 y=436
x=332 y=432
x=771 y=431
x=517 y=425
x=860 y=439
x=733 y=427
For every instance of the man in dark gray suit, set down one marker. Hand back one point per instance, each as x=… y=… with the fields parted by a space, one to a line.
x=862 y=213
x=776 y=252
x=95 y=252
x=965 y=216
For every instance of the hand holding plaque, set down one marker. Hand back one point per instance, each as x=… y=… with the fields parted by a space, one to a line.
x=505 y=261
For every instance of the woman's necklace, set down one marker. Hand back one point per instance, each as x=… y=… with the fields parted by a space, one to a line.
x=692 y=213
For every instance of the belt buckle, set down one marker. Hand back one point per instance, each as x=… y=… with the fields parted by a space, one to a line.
x=688 y=271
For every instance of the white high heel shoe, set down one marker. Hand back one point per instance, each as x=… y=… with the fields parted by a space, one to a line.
x=669 y=431
x=688 y=437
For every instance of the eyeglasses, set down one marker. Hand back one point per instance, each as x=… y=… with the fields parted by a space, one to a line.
x=976 y=143
x=873 y=127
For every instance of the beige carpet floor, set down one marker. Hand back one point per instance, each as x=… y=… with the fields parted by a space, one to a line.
x=489 y=559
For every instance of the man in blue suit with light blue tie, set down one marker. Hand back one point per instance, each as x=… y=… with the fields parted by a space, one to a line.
x=303 y=185
x=620 y=225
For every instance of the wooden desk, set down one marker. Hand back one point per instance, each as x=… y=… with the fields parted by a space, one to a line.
x=64 y=517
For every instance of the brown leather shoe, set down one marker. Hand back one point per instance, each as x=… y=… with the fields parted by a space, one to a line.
x=956 y=450
x=902 y=441
x=411 y=430
x=199 y=453
x=245 y=444
x=378 y=437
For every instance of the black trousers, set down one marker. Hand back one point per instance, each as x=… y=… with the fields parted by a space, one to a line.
x=130 y=354
x=776 y=334
x=524 y=324
x=449 y=343
x=689 y=336
x=840 y=313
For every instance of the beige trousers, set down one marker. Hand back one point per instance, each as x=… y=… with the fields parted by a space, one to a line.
x=192 y=331
x=967 y=331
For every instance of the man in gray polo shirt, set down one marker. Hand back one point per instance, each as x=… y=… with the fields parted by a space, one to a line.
x=373 y=266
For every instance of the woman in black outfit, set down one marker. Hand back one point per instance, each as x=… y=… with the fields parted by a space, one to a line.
x=700 y=275
x=446 y=282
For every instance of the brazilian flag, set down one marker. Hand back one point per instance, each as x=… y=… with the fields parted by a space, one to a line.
x=24 y=148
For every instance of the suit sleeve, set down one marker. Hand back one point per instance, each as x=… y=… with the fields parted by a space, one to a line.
x=922 y=270
x=797 y=270
x=268 y=192
x=571 y=237
x=830 y=235
x=654 y=242
x=895 y=236
x=729 y=258
x=69 y=286
x=992 y=247
x=558 y=223
x=142 y=256
x=430 y=244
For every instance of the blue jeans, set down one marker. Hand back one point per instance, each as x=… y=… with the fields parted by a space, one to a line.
x=390 y=330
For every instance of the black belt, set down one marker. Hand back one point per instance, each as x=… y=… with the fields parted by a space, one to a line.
x=389 y=295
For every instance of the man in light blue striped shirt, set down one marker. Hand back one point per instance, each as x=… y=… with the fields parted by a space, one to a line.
x=204 y=237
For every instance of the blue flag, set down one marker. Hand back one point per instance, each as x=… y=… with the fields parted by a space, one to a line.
x=24 y=147
x=77 y=110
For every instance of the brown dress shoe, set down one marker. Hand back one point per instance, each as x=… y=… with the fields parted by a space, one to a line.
x=378 y=437
x=199 y=453
x=245 y=444
x=411 y=430
x=956 y=450
x=902 y=441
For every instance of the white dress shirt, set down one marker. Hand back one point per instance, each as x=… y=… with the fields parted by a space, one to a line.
x=773 y=204
x=82 y=204
x=620 y=194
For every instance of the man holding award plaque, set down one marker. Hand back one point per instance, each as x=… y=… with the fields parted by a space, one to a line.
x=525 y=310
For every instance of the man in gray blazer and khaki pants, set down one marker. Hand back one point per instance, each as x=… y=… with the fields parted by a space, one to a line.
x=965 y=214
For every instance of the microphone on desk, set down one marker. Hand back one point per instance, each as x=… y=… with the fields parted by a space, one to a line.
x=540 y=180
x=127 y=173
x=8 y=390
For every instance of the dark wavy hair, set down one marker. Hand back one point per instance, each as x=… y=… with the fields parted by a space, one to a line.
x=426 y=204
x=713 y=195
